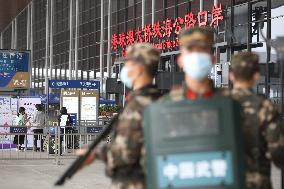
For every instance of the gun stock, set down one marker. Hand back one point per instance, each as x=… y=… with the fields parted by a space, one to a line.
x=81 y=159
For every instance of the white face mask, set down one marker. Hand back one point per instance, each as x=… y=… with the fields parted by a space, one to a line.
x=125 y=78
x=197 y=65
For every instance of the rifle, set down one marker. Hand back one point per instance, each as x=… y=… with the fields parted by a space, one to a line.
x=81 y=159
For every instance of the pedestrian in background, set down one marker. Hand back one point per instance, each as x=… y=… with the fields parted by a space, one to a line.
x=38 y=123
x=21 y=121
x=263 y=134
x=65 y=121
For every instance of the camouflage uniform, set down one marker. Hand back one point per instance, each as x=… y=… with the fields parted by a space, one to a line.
x=262 y=125
x=124 y=155
x=124 y=162
x=263 y=134
x=263 y=137
x=180 y=93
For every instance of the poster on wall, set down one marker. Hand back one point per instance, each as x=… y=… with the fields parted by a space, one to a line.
x=89 y=105
x=70 y=100
x=29 y=105
x=14 y=109
x=6 y=119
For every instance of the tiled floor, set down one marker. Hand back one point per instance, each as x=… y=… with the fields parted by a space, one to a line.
x=42 y=174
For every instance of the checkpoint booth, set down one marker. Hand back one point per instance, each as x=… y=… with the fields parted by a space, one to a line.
x=81 y=99
x=194 y=144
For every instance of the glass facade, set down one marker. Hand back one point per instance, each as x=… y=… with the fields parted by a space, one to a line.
x=61 y=39
x=7 y=37
x=39 y=42
x=238 y=31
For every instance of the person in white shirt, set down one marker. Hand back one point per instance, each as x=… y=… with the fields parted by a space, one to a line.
x=38 y=123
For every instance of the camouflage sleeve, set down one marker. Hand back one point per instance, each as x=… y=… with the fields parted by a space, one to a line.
x=173 y=95
x=126 y=144
x=143 y=162
x=101 y=150
x=273 y=132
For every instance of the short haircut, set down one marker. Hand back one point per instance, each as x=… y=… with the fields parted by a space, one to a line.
x=206 y=31
x=39 y=107
x=63 y=110
x=244 y=65
x=146 y=55
x=22 y=110
x=202 y=37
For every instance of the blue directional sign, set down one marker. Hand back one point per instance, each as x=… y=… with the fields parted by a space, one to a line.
x=80 y=84
x=14 y=69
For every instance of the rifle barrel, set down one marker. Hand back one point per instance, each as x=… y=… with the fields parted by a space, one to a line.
x=81 y=159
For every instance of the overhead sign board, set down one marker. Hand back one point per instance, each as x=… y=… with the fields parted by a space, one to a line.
x=76 y=84
x=163 y=33
x=14 y=70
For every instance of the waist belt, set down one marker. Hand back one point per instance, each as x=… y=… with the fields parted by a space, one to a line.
x=128 y=175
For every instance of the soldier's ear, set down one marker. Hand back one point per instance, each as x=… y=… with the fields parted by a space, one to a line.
x=232 y=77
x=256 y=76
x=214 y=59
x=179 y=61
x=138 y=70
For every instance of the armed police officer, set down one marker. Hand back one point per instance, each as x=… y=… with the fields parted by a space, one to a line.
x=196 y=60
x=262 y=130
x=124 y=155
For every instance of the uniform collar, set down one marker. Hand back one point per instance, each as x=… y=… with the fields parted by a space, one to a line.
x=140 y=91
x=191 y=95
x=194 y=96
x=244 y=92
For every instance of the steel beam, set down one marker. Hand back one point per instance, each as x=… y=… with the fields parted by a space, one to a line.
x=268 y=50
x=15 y=33
x=46 y=46
x=51 y=39
x=76 y=38
x=12 y=34
x=70 y=38
x=1 y=40
x=143 y=13
x=102 y=46
x=109 y=40
x=153 y=11
x=201 y=5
